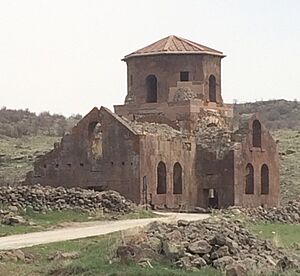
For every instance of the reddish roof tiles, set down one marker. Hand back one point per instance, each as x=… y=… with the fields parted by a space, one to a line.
x=174 y=45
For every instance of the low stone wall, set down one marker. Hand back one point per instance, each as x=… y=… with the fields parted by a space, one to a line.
x=45 y=198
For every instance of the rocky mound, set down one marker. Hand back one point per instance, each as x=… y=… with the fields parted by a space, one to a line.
x=288 y=213
x=222 y=244
x=45 y=198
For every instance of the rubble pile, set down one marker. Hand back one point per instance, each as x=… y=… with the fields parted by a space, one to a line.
x=184 y=94
x=219 y=243
x=45 y=198
x=288 y=213
x=214 y=139
x=155 y=129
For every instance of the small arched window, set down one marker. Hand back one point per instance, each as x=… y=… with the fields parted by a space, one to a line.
x=249 y=187
x=161 y=178
x=177 y=179
x=264 y=180
x=256 y=134
x=151 y=85
x=212 y=89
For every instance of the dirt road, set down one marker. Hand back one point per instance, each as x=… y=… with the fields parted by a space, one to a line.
x=87 y=229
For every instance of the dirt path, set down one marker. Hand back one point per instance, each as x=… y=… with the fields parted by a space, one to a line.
x=87 y=229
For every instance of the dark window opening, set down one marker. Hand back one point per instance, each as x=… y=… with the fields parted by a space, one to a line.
x=69 y=165
x=151 y=84
x=131 y=164
x=112 y=163
x=131 y=80
x=123 y=163
x=249 y=189
x=81 y=165
x=161 y=178
x=56 y=165
x=184 y=76
x=177 y=179
x=45 y=166
x=264 y=180
x=212 y=89
x=96 y=188
x=211 y=125
x=256 y=134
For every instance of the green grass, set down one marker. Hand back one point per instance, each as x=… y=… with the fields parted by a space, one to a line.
x=285 y=235
x=96 y=255
x=55 y=219
x=289 y=163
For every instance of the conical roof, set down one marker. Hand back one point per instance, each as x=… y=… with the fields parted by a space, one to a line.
x=174 y=45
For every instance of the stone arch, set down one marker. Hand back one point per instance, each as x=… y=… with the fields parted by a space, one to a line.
x=151 y=85
x=177 y=178
x=256 y=133
x=264 y=179
x=249 y=187
x=212 y=94
x=95 y=140
x=161 y=178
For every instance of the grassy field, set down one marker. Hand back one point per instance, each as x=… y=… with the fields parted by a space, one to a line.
x=17 y=155
x=283 y=235
x=95 y=258
x=289 y=148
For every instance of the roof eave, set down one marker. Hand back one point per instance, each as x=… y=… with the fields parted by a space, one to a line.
x=173 y=53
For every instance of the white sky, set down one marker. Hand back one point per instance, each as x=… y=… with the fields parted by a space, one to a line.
x=64 y=56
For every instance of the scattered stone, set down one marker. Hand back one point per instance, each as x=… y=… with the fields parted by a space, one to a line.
x=288 y=213
x=199 y=247
x=224 y=244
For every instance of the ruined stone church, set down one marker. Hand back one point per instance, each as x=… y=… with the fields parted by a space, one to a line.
x=174 y=143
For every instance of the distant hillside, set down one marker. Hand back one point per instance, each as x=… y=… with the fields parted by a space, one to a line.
x=276 y=114
x=18 y=123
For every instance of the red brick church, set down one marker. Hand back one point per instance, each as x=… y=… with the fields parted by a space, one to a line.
x=174 y=143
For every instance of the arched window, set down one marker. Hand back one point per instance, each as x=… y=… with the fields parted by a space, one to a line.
x=212 y=89
x=177 y=179
x=249 y=188
x=151 y=84
x=95 y=140
x=161 y=178
x=264 y=179
x=256 y=134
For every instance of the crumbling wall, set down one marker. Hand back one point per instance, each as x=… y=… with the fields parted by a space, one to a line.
x=245 y=154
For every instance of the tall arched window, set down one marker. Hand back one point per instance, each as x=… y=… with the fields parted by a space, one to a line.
x=177 y=179
x=256 y=134
x=264 y=179
x=95 y=140
x=249 y=187
x=161 y=178
x=212 y=89
x=151 y=85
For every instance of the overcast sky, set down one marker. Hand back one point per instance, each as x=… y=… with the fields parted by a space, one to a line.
x=64 y=56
